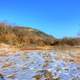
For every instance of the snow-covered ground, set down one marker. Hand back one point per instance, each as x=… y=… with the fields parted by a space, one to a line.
x=38 y=65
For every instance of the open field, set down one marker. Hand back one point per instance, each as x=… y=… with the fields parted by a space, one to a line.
x=56 y=63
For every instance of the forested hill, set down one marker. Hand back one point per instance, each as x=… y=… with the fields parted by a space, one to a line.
x=25 y=36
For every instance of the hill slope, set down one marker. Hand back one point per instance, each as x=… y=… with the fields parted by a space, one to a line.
x=28 y=37
x=24 y=36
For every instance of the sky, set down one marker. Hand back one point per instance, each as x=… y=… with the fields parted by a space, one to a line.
x=60 y=18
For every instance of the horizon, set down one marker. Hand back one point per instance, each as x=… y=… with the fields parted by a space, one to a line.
x=58 y=18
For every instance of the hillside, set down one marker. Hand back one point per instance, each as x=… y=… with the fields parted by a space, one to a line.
x=24 y=36
x=21 y=36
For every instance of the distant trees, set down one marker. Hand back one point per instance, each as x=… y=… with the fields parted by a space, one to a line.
x=22 y=36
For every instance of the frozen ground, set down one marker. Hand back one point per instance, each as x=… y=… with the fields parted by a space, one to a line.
x=37 y=65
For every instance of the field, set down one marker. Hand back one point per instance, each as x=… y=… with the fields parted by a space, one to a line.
x=41 y=65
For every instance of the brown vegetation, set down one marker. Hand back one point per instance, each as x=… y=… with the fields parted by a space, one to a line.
x=24 y=36
x=28 y=37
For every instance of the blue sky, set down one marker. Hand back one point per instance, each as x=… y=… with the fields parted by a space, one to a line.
x=59 y=18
